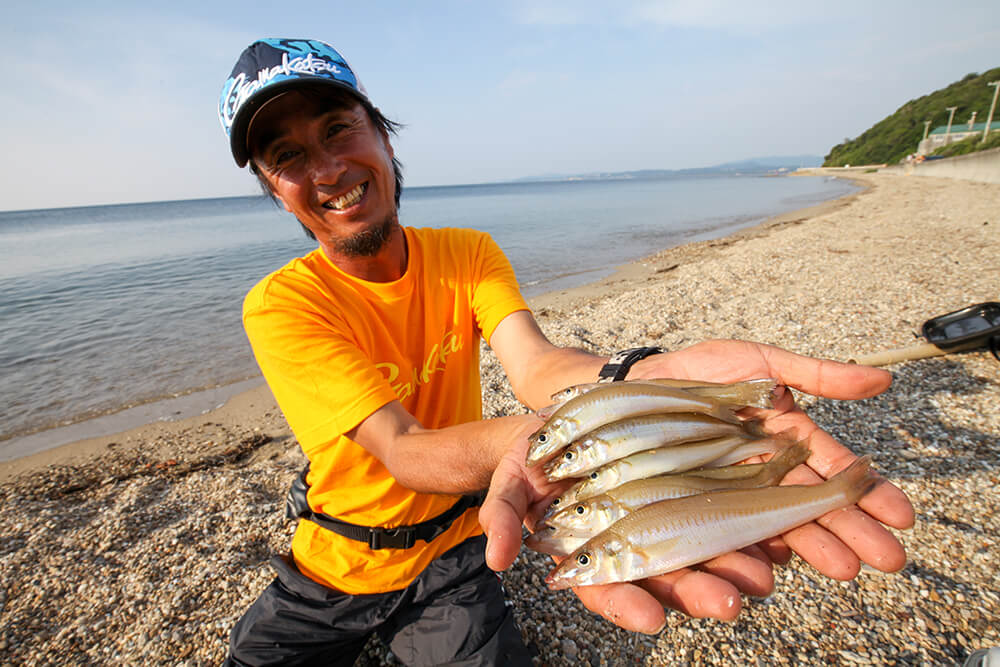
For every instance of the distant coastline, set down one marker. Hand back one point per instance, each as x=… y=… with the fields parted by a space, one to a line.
x=752 y=166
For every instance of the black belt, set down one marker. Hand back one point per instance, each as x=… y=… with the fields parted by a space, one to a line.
x=400 y=537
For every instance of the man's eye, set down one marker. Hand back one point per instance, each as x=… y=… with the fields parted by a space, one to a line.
x=282 y=157
x=335 y=129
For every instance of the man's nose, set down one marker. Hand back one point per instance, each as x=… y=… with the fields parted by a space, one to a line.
x=326 y=167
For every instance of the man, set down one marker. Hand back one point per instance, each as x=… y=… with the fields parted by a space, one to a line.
x=370 y=346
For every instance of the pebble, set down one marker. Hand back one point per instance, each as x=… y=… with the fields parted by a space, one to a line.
x=133 y=561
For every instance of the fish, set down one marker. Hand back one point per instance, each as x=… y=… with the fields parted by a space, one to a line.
x=598 y=512
x=620 y=438
x=717 y=452
x=671 y=534
x=611 y=402
x=748 y=393
x=569 y=528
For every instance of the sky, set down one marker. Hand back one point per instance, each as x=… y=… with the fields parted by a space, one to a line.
x=113 y=102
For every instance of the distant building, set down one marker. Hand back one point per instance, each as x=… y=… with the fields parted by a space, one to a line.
x=940 y=136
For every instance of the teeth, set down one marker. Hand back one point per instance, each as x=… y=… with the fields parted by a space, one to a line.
x=350 y=199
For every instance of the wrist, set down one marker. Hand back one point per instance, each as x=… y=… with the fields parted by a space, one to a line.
x=621 y=363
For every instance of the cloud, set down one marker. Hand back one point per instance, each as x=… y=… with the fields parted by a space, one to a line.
x=705 y=14
x=727 y=14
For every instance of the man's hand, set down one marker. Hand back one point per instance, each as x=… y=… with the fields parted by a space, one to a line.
x=835 y=544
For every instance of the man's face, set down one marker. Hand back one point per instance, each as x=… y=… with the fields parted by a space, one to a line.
x=330 y=166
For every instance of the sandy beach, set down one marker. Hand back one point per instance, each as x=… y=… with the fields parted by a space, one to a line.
x=146 y=546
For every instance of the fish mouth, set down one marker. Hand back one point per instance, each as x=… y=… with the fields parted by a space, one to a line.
x=557 y=581
x=348 y=199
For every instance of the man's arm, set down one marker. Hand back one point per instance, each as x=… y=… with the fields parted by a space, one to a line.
x=535 y=367
x=456 y=459
x=462 y=458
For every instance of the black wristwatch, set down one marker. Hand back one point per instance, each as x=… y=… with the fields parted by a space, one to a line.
x=618 y=366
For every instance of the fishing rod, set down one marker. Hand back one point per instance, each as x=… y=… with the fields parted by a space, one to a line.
x=970 y=328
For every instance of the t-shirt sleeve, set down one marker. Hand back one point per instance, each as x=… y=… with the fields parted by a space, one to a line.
x=497 y=293
x=322 y=380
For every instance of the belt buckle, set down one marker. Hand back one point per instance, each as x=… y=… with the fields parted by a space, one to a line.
x=403 y=537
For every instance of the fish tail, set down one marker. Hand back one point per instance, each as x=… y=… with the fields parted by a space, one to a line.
x=753 y=427
x=726 y=413
x=782 y=462
x=856 y=480
x=755 y=393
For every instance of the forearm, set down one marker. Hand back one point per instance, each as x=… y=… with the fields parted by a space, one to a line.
x=456 y=459
x=556 y=369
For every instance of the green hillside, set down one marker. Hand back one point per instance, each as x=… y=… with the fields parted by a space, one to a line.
x=893 y=138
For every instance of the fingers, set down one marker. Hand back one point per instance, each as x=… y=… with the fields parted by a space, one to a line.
x=731 y=360
x=712 y=591
x=500 y=515
x=749 y=570
x=827 y=457
x=626 y=605
x=838 y=541
x=824 y=551
x=697 y=594
x=823 y=377
x=886 y=502
x=777 y=550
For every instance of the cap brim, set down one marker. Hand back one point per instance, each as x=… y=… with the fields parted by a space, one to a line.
x=247 y=111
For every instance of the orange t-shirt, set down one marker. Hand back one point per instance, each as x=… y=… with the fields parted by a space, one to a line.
x=334 y=349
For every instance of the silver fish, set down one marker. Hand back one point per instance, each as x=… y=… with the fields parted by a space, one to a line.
x=749 y=393
x=672 y=534
x=568 y=529
x=596 y=513
x=717 y=452
x=612 y=402
x=635 y=434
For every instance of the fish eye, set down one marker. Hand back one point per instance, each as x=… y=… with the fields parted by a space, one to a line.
x=583 y=559
x=542 y=438
x=581 y=510
x=555 y=502
x=568 y=456
x=593 y=475
x=551 y=529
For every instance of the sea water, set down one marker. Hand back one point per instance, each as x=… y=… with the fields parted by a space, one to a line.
x=106 y=307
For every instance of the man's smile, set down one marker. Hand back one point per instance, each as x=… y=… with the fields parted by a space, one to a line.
x=348 y=199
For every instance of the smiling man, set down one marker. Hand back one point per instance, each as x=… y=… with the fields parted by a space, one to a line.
x=370 y=344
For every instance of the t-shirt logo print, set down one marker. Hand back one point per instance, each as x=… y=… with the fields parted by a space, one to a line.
x=434 y=362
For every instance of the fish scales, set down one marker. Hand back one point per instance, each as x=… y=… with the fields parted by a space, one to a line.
x=612 y=402
x=718 y=528
x=565 y=531
x=753 y=393
x=672 y=534
x=598 y=512
x=716 y=452
x=623 y=437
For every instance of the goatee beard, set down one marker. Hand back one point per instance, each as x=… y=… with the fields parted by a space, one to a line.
x=367 y=242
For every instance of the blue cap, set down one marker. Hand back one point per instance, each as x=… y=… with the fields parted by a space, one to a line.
x=270 y=67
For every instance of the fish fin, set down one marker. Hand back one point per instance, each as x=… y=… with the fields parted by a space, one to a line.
x=783 y=462
x=857 y=479
x=785 y=438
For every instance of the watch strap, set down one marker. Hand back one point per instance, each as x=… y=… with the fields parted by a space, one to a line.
x=618 y=366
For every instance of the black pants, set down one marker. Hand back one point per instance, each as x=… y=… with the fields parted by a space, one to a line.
x=454 y=613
